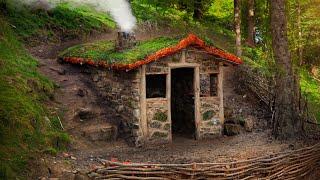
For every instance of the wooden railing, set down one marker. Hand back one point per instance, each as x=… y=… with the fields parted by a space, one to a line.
x=286 y=165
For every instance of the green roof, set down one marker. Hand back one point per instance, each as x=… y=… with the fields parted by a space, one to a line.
x=105 y=50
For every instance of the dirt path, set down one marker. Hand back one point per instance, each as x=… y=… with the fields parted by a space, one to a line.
x=75 y=94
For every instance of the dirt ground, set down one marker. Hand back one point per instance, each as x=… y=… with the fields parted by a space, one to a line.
x=84 y=155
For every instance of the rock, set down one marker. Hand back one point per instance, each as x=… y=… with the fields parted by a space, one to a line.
x=85 y=113
x=155 y=124
x=65 y=155
x=93 y=174
x=82 y=92
x=248 y=124
x=101 y=133
x=80 y=177
x=59 y=71
x=232 y=129
x=73 y=158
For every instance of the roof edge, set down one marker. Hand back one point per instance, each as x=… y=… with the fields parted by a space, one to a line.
x=192 y=39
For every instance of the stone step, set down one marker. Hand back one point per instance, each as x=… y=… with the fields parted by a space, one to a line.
x=100 y=132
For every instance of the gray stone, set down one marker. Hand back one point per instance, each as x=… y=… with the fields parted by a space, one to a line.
x=155 y=125
x=93 y=174
x=167 y=127
x=86 y=113
x=158 y=134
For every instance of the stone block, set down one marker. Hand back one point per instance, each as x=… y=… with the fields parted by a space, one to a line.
x=155 y=124
x=158 y=134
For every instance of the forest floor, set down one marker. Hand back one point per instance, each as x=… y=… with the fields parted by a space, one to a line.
x=84 y=155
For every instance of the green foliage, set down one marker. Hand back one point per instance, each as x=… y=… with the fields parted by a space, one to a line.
x=221 y=11
x=194 y=8
x=310 y=88
x=49 y=25
x=23 y=128
x=105 y=50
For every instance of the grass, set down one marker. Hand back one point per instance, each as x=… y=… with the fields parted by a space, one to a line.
x=64 y=21
x=105 y=50
x=311 y=90
x=26 y=127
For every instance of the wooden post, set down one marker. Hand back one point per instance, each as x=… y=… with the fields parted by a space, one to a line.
x=143 y=103
x=168 y=95
x=183 y=56
x=196 y=83
x=220 y=92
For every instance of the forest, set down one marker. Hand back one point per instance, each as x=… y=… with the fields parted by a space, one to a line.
x=159 y=89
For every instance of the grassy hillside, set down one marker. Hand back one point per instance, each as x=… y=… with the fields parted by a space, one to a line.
x=26 y=127
x=61 y=23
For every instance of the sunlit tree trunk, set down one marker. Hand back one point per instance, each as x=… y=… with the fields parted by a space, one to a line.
x=251 y=24
x=286 y=122
x=300 y=55
x=237 y=24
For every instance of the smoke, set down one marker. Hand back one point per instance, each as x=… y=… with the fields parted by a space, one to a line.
x=120 y=10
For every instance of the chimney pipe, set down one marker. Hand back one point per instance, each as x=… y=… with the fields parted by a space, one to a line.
x=125 y=41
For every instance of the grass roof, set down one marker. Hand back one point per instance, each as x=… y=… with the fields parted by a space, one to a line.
x=105 y=50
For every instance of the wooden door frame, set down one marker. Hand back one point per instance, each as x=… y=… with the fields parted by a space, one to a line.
x=196 y=84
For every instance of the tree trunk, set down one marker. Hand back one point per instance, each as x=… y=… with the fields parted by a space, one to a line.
x=237 y=24
x=251 y=24
x=197 y=10
x=3 y=6
x=300 y=55
x=286 y=121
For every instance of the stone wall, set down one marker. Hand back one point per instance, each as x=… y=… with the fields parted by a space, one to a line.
x=121 y=91
x=211 y=124
x=158 y=121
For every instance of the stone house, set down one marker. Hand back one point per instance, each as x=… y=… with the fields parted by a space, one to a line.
x=176 y=90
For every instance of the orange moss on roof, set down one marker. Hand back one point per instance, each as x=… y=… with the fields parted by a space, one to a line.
x=188 y=41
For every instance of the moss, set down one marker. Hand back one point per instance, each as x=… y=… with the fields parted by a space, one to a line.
x=105 y=50
x=160 y=116
x=207 y=115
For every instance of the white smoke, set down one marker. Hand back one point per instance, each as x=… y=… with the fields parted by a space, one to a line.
x=120 y=10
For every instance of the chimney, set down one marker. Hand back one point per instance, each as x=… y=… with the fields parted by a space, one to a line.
x=125 y=41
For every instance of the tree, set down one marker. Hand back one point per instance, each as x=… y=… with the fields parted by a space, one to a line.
x=237 y=24
x=251 y=23
x=287 y=123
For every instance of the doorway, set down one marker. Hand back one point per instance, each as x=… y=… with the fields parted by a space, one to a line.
x=182 y=103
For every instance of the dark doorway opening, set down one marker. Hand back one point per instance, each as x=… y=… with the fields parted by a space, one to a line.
x=182 y=102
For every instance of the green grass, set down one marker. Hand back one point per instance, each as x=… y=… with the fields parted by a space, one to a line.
x=25 y=125
x=311 y=90
x=64 y=21
x=105 y=50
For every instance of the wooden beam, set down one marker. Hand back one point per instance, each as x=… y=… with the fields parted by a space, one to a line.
x=182 y=65
x=220 y=92
x=183 y=56
x=168 y=95
x=196 y=83
x=143 y=103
